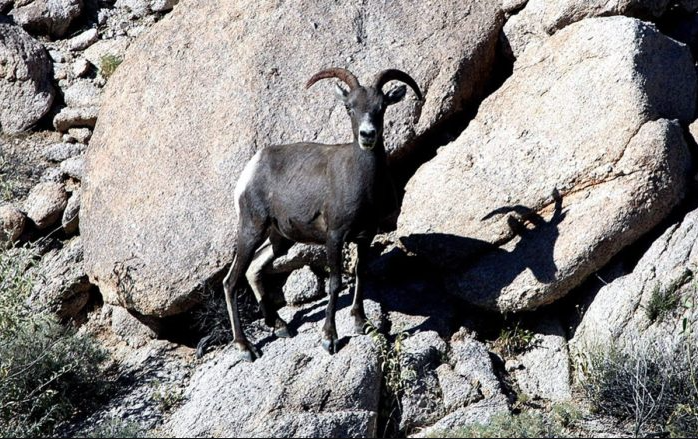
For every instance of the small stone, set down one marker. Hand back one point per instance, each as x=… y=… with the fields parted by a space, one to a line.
x=103 y=15
x=12 y=223
x=59 y=72
x=162 y=5
x=45 y=204
x=74 y=167
x=59 y=152
x=302 y=286
x=67 y=138
x=81 y=68
x=84 y=40
x=82 y=93
x=57 y=56
x=47 y=17
x=26 y=89
x=51 y=175
x=75 y=117
x=62 y=285
x=135 y=333
x=82 y=135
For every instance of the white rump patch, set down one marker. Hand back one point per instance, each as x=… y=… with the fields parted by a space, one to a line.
x=245 y=178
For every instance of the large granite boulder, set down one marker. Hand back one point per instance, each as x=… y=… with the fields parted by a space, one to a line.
x=577 y=155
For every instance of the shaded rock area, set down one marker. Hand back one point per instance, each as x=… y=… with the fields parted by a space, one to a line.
x=149 y=384
x=613 y=174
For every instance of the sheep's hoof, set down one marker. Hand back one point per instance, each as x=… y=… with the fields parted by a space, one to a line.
x=248 y=351
x=330 y=345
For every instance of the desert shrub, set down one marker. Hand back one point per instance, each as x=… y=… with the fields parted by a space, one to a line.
x=514 y=340
x=397 y=374
x=46 y=369
x=528 y=423
x=653 y=387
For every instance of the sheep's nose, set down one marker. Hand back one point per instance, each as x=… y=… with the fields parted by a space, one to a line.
x=367 y=133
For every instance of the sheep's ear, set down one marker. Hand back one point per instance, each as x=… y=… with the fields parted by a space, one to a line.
x=395 y=95
x=341 y=93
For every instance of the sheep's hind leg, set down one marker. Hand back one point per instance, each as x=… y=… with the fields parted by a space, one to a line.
x=260 y=264
x=231 y=286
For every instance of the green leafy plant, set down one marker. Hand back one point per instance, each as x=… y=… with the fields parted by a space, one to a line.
x=108 y=64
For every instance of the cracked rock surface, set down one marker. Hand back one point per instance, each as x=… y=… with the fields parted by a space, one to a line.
x=618 y=313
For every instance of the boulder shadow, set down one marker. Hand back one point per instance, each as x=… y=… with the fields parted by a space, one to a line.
x=477 y=269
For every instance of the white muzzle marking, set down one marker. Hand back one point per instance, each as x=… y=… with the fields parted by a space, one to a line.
x=367 y=125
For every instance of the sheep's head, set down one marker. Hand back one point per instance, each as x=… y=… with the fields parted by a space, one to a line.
x=366 y=105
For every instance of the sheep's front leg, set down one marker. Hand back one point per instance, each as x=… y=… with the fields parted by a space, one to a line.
x=357 y=308
x=334 y=259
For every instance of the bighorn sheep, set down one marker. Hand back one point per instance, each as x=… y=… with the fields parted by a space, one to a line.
x=318 y=194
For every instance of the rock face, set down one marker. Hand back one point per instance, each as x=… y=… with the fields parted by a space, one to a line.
x=543 y=371
x=470 y=392
x=62 y=285
x=196 y=135
x=26 y=93
x=541 y=18
x=47 y=17
x=293 y=390
x=46 y=203
x=584 y=117
x=621 y=311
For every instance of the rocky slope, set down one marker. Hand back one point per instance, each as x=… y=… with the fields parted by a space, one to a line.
x=553 y=148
